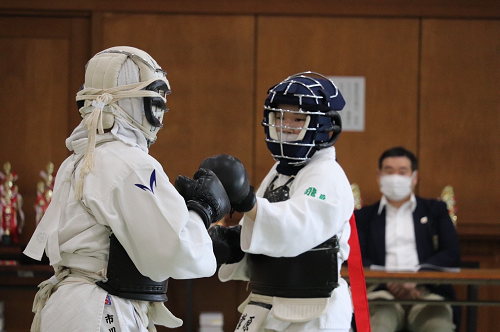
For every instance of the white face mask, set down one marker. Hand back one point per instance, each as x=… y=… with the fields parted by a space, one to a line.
x=396 y=187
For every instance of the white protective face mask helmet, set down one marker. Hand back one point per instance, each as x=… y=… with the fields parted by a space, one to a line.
x=396 y=187
x=125 y=82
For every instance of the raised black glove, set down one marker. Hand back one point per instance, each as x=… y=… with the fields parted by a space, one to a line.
x=205 y=195
x=226 y=244
x=234 y=178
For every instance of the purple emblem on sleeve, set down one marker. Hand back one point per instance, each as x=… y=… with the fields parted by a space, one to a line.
x=152 y=180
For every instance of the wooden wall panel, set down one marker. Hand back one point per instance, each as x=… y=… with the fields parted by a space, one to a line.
x=210 y=65
x=459 y=142
x=37 y=93
x=460 y=116
x=431 y=85
x=35 y=104
x=384 y=51
x=367 y=8
x=41 y=58
x=17 y=308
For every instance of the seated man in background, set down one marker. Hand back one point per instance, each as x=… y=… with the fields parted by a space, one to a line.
x=406 y=232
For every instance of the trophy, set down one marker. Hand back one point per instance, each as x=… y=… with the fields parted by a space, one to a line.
x=48 y=176
x=44 y=192
x=358 y=202
x=448 y=196
x=11 y=206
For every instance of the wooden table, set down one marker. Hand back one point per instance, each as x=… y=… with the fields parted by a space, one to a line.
x=24 y=276
x=473 y=278
x=29 y=276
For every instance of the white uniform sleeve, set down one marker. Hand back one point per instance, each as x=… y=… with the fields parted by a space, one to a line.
x=319 y=207
x=151 y=221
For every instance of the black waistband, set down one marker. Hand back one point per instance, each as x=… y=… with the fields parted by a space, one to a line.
x=124 y=280
x=309 y=275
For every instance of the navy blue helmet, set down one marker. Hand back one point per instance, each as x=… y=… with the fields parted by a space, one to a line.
x=314 y=96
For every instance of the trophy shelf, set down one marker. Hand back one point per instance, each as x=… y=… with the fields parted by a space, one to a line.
x=20 y=271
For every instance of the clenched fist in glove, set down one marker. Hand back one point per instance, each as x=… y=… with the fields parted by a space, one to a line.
x=205 y=195
x=226 y=244
x=234 y=178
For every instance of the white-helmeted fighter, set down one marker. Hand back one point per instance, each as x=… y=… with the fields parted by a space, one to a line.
x=116 y=228
x=293 y=237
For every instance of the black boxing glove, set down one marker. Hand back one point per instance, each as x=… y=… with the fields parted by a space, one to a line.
x=226 y=244
x=234 y=178
x=205 y=195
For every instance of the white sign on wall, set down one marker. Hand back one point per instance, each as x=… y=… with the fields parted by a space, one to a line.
x=353 y=91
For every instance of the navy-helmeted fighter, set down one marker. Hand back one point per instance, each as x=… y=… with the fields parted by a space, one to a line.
x=293 y=237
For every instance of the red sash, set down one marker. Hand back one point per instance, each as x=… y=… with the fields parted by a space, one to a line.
x=357 y=281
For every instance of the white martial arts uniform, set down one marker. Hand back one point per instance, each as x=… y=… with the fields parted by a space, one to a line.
x=129 y=194
x=320 y=206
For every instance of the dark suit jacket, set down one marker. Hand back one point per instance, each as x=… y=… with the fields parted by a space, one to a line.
x=436 y=240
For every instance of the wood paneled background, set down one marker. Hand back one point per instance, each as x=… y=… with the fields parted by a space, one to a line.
x=432 y=74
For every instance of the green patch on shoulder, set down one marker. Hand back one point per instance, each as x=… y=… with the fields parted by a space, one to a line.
x=313 y=192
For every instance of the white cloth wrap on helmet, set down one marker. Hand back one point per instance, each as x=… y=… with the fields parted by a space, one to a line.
x=113 y=96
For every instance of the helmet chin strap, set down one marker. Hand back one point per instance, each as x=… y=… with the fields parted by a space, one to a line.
x=119 y=112
x=287 y=169
x=93 y=123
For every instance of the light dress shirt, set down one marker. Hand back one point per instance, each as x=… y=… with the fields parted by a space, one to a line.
x=400 y=245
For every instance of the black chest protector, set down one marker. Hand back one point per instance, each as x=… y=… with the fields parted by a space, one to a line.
x=124 y=280
x=311 y=274
x=279 y=194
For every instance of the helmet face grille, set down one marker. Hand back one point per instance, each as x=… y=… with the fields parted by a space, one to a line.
x=313 y=95
x=154 y=107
